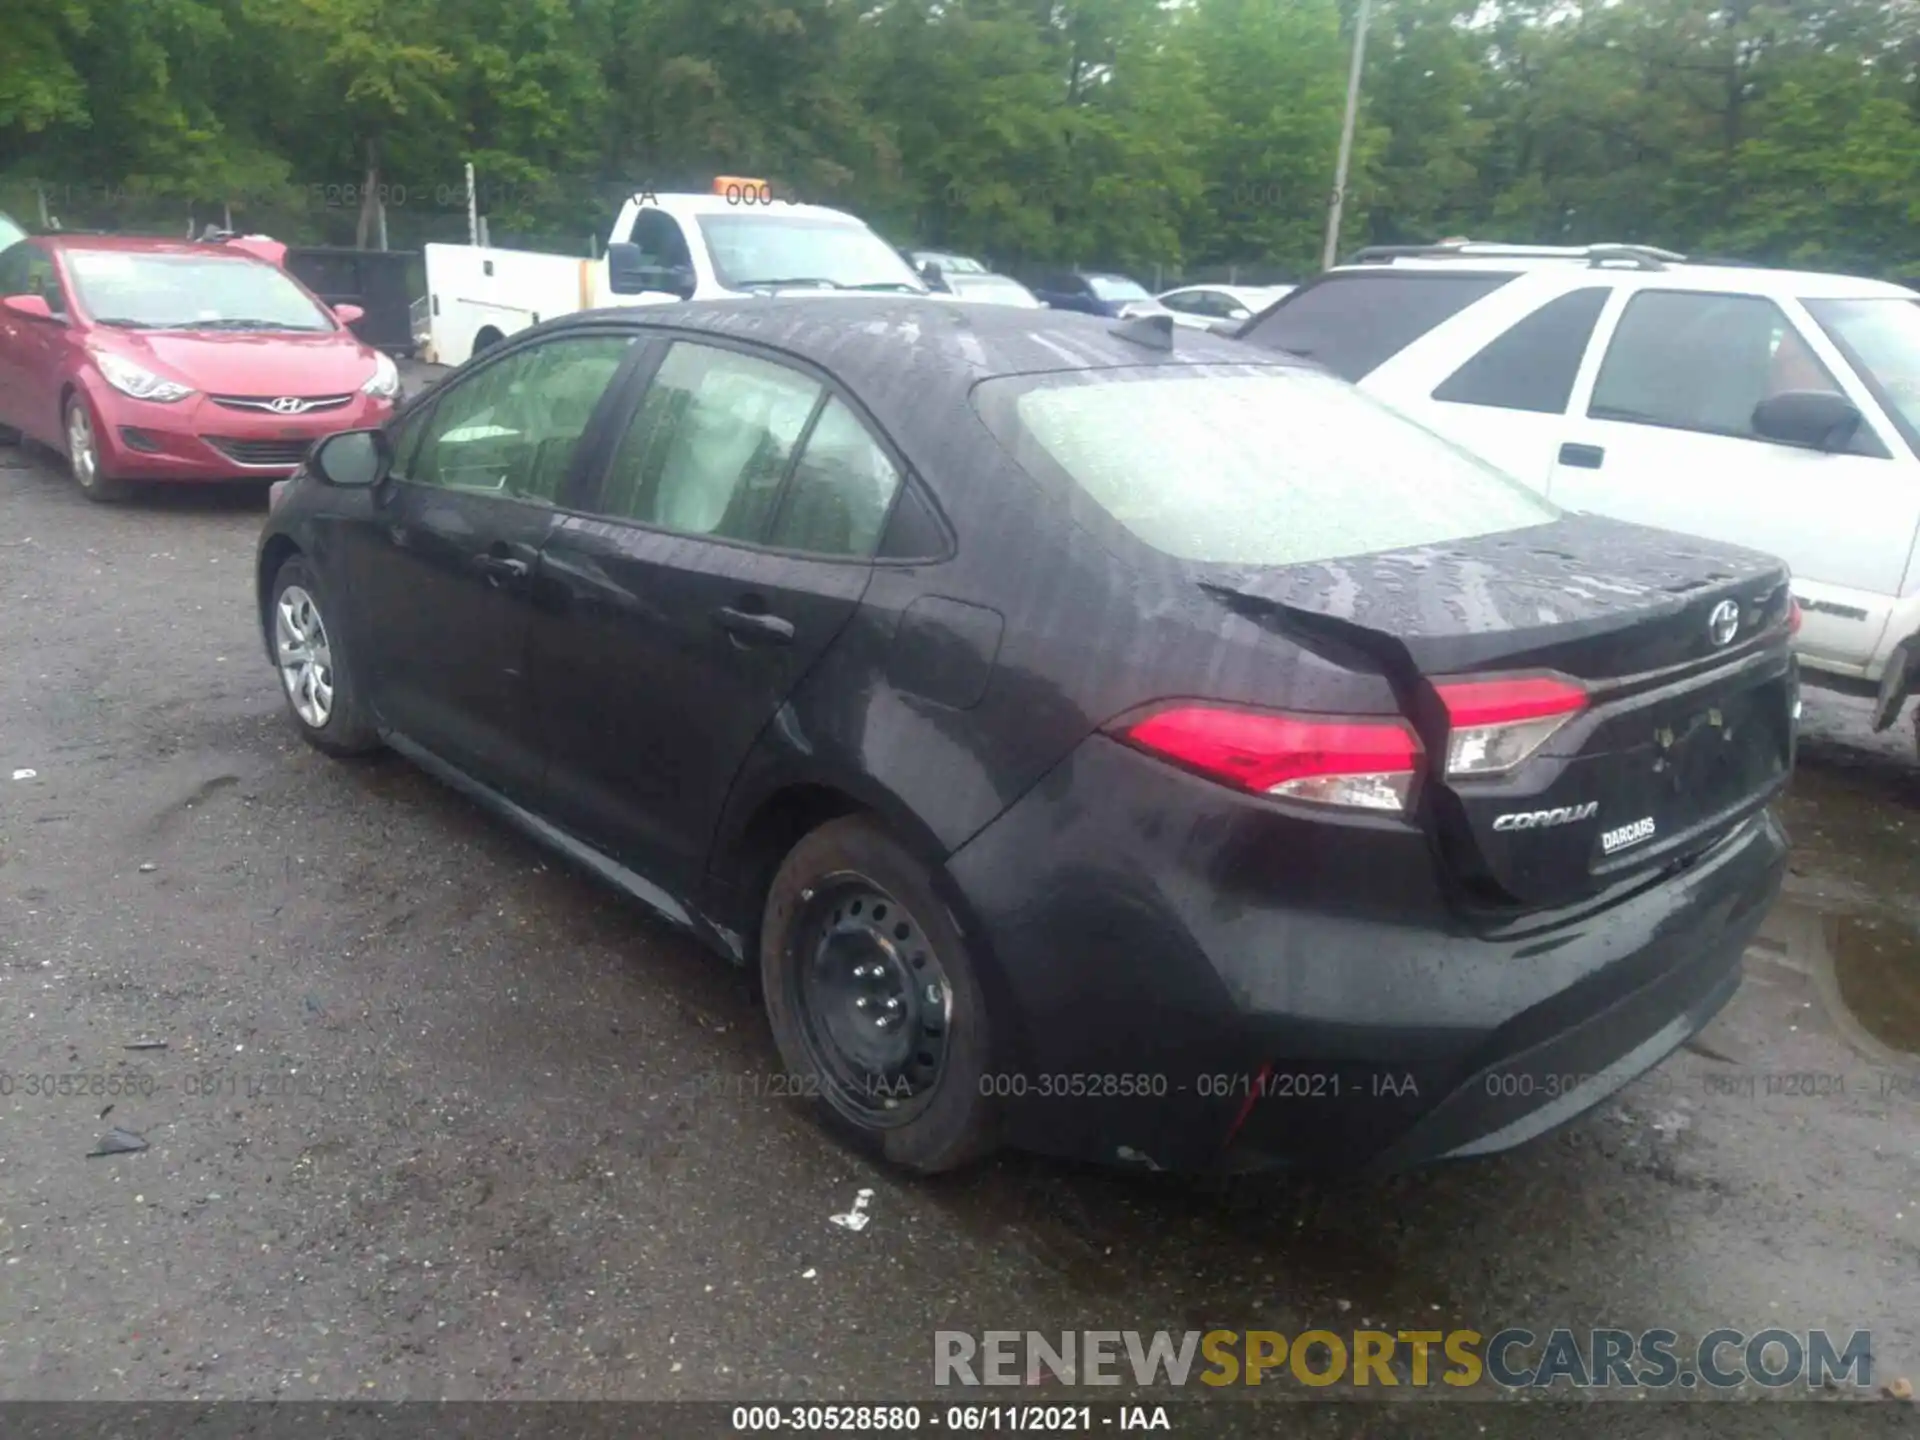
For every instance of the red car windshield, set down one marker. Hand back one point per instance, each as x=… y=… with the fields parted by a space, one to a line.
x=189 y=292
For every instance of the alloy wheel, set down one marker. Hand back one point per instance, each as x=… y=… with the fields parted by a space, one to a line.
x=306 y=657
x=82 y=454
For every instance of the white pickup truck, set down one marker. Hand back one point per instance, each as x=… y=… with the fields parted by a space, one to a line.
x=740 y=240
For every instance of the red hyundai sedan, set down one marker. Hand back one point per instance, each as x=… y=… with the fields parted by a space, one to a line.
x=163 y=360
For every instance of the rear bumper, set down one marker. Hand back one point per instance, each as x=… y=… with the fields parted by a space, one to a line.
x=1192 y=979
x=196 y=439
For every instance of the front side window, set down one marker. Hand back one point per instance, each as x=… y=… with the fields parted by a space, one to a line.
x=1251 y=464
x=1696 y=361
x=709 y=446
x=142 y=291
x=1355 y=322
x=1188 y=302
x=660 y=239
x=1532 y=365
x=511 y=429
x=1882 y=339
x=43 y=279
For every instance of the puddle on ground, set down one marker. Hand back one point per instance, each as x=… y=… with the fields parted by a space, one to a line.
x=1854 y=818
x=1876 y=969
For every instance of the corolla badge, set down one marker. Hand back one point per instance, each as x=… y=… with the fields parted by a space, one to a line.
x=1541 y=819
x=1724 y=623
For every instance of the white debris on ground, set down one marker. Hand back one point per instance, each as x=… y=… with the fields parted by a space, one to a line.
x=857 y=1217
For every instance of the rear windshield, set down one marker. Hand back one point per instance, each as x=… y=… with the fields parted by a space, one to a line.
x=1354 y=322
x=1251 y=464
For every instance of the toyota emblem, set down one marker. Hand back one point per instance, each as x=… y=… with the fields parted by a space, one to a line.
x=1724 y=623
x=290 y=405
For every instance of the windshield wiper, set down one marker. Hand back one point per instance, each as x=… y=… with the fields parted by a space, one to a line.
x=126 y=324
x=246 y=325
x=800 y=280
x=900 y=286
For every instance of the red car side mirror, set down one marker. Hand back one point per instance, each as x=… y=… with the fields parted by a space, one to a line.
x=31 y=306
x=347 y=314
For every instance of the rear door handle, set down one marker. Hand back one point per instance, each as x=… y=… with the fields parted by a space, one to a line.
x=752 y=626
x=1584 y=457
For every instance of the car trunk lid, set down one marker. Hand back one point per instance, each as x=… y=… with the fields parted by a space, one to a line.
x=1656 y=667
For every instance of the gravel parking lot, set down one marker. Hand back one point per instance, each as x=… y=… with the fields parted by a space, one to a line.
x=437 y=1117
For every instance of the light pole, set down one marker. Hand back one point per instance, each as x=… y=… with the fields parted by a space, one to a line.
x=1346 y=138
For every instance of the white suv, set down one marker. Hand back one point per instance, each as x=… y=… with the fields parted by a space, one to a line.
x=1770 y=408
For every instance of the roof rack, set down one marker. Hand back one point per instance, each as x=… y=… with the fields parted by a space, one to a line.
x=1641 y=257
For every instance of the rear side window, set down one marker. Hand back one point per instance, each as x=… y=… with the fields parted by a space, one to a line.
x=708 y=449
x=1353 y=323
x=1251 y=464
x=1532 y=366
x=842 y=487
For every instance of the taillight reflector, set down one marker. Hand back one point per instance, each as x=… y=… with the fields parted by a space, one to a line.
x=1356 y=763
x=1497 y=724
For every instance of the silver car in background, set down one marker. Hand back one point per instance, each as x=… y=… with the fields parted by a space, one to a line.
x=1200 y=307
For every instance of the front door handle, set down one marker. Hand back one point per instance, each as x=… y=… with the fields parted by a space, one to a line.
x=754 y=626
x=1583 y=457
x=503 y=569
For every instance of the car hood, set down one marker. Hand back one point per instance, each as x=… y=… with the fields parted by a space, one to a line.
x=231 y=363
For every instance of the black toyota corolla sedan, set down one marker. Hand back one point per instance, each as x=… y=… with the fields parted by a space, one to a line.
x=1113 y=743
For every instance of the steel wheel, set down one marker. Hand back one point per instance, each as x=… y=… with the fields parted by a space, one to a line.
x=874 y=1005
x=306 y=657
x=83 y=454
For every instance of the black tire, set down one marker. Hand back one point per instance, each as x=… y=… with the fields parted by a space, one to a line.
x=94 y=482
x=348 y=728
x=949 y=1122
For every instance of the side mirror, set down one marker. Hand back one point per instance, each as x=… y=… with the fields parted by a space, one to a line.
x=624 y=269
x=1820 y=419
x=353 y=459
x=33 y=307
x=348 y=314
x=629 y=274
x=677 y=280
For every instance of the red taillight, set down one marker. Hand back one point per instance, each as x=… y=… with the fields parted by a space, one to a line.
x=1361 y=764
x=1496 y=724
